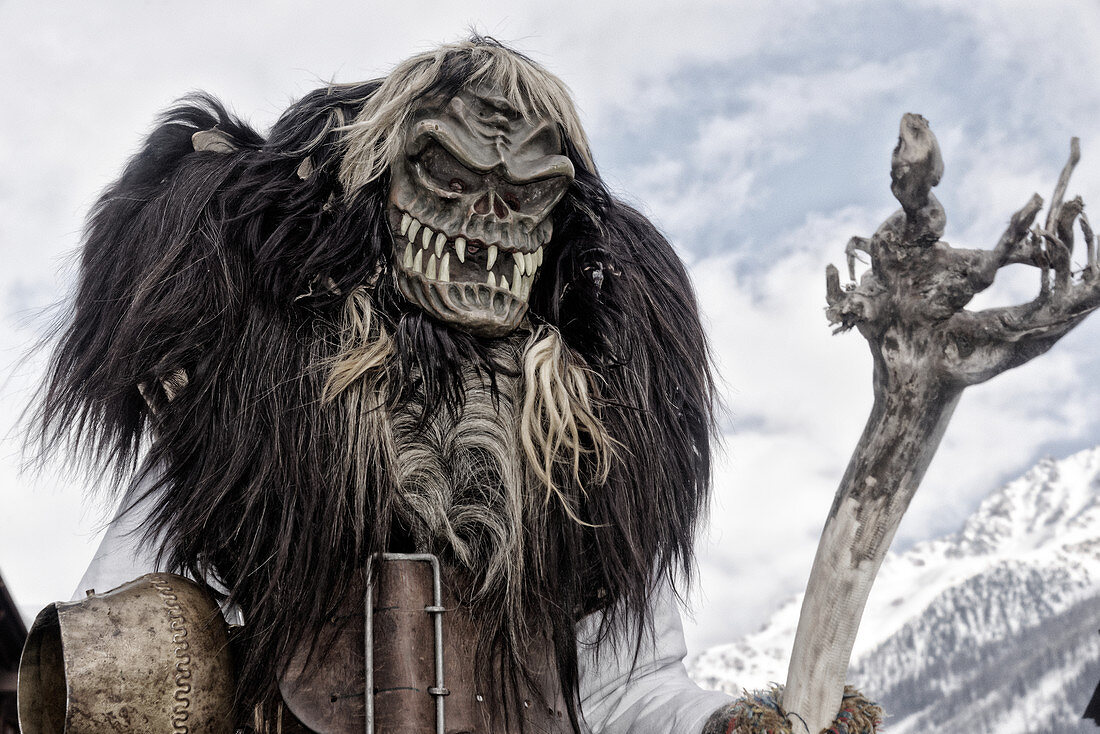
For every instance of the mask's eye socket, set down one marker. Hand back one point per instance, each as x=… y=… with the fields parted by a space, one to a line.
x=442 y=172
x=536 y=197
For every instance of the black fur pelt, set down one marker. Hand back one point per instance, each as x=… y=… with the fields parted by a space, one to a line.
x=235 y=269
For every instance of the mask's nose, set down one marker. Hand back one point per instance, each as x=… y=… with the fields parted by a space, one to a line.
x=491 y=201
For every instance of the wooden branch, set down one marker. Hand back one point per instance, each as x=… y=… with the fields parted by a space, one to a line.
x=1063 y=183
x=881 y=479
x=1090 y=246
x=927 y=349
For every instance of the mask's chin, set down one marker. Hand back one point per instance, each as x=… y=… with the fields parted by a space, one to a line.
x=474 y=308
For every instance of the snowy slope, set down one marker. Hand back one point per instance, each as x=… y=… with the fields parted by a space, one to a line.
x=992 y=628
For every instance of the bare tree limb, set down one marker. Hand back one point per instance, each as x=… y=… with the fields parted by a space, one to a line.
x=927 y=349
x=1063 y=182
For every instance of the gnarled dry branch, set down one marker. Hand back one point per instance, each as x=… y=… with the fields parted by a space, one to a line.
x=910 y=306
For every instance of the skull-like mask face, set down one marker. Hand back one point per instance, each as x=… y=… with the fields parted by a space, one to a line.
x=469 y=208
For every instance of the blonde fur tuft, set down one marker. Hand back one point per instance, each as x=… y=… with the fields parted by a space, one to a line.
x=558 y=423
x=365 y=346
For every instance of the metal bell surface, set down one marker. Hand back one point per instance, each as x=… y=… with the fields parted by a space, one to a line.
x=149 y=656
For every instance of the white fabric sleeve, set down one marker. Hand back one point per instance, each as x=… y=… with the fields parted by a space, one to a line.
x=122 y=555
x=650 y=694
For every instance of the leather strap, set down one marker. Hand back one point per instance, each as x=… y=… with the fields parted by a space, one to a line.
x=404 y=649
x=325 y=690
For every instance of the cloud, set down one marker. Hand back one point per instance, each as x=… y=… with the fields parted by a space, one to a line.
x=733 y=158
x=797 y=397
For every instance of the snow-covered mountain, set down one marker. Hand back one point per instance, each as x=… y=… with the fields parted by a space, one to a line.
x=990 y=629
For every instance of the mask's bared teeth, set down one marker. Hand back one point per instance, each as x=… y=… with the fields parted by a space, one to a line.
x=430 y=270
x=460 y=249
x=492 y=257
x=538 y=257
x=521 y=264
x=414 y=227
x=491 y=280
x=503 y=282
x=517 y=273
x=418 y=261
x=517 y=285
x=408 y=260
x=529 y=259
x=406 y=220
x=445 y=268
x=427 y=238
x=440 y=240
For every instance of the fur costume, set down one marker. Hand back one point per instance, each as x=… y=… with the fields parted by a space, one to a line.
x=241 y=323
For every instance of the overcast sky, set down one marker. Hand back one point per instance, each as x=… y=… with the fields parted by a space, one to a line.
x=756 y=134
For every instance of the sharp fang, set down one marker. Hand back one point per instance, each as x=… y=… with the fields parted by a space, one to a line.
x=418 y=260
x=529 y=258
x=427 y=239
x=492 y=257
x=503 y=282
x=460 y=249
x=527 y=283
x=517 y=285
x=408 y=261
x=440 y=240
x=445 y=268
x=491 y=280
x=521 y=264
x=517 y=273
x=414 y=227
x=430 y=271
x=406 y=220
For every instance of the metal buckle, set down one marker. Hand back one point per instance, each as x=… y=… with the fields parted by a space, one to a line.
x=439 y=691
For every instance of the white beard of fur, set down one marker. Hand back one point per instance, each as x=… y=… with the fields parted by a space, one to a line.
x=476 y=488
x=462 y=483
